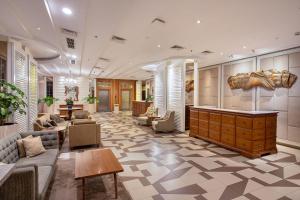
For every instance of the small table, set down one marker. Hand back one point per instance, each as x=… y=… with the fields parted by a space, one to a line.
x=70 y=110
x=97 y=163
x=5 y=172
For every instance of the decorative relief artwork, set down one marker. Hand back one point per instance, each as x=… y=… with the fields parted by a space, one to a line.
x=269 y=79
x=189 y=85
x=72 y=92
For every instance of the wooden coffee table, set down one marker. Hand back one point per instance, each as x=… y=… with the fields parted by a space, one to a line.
x=96 y=162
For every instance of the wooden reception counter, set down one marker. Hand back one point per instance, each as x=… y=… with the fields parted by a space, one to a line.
x=252 y=133
x=140 y=107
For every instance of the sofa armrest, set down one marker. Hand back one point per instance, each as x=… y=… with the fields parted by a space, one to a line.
x=22 y=184
x=48 y=137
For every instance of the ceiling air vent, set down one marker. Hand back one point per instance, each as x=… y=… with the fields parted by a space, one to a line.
x=69 y=32
x=104 y=59
x=177 y=47
x=70 y=43
x=158 y=20
x=118 y=39
x=207 y=52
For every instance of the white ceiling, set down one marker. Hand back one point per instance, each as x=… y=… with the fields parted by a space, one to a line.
x=226 y=26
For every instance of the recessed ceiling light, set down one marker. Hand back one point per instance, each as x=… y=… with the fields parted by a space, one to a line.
x=38 y=28
x=221 y=53
x=67 y=11
x=74 y=56
x=198 y=21
x=244 y=47
x=158 y=46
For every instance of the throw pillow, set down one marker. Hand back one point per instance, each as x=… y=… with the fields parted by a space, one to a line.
x=2 y=163
x=21 y=149
x=56 y=118
x=33 y=146
x=53 y=123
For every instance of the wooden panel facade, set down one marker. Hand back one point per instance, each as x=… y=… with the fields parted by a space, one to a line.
x=115 y=88
x=139 y=107
x=252 y=134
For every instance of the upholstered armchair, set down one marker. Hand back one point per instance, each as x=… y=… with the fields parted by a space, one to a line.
x=165 y=124
x=84 y=132
x=146 y=118
x=81 y=114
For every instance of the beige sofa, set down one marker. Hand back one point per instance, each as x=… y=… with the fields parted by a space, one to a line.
x=43 y=122
x=84 y=132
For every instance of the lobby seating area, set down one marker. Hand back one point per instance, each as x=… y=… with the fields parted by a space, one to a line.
x=149 y=100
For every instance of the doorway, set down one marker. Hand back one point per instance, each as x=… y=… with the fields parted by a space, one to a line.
x=125 y=100
x=104 y=101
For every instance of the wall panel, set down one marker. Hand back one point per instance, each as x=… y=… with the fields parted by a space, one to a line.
x=33 y=94
x=209 y=86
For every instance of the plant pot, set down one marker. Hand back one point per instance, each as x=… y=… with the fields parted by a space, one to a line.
x=69 y=106
x=49 y=109
x=91 y=108
x=8 y=129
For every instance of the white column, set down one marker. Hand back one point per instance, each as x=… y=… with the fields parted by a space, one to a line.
x=196 y=83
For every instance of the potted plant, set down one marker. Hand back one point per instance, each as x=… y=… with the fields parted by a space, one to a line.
x=149 y=98
x=69 y=102
x=91 y=100
x=48 y=103
x=11 y=100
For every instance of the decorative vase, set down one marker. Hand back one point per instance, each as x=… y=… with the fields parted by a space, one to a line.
x=91 y=108
x=69 y=106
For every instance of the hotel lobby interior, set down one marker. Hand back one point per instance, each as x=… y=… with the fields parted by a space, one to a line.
x=149 y=100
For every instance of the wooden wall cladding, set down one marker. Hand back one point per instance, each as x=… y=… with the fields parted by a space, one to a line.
x=139 y=107
x=252 y=135
x=115 y=87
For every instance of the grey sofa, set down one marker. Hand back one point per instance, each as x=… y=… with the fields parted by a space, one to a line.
x=32 y=176
x=165 y=124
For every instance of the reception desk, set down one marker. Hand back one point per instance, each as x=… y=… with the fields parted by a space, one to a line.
x=139 y=107
x=252 y=133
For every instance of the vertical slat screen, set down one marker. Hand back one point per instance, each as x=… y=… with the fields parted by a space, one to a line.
x=176 y=93
x=160 y=90
x=33 y=95
x=21 y=81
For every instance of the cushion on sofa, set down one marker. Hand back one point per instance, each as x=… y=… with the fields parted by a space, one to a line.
x=44 y=159
x=44 y=178
x=33 y=146
x=21 y=149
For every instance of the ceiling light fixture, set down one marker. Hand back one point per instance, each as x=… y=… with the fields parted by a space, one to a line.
x=74 y=56
x=221 y=53
x=244 y=47
x=198 y=21
x=158 y=46
x=38 y=28
x=297 y=33
x=67 y=11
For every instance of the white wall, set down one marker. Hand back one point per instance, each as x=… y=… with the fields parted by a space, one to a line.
x=59 y=90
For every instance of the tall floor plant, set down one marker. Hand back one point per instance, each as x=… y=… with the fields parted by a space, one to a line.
x=11 y=100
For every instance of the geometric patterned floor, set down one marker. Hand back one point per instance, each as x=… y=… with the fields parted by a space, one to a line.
x=178 y=167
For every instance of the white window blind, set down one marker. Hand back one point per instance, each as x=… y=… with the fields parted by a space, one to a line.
x=32 y=96
x=21 y=81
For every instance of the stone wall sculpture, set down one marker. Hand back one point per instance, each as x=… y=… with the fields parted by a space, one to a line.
x=269 y=79
x=189 y=85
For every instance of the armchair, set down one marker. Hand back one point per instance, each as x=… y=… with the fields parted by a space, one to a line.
x=165 y=124
x=146 y=118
